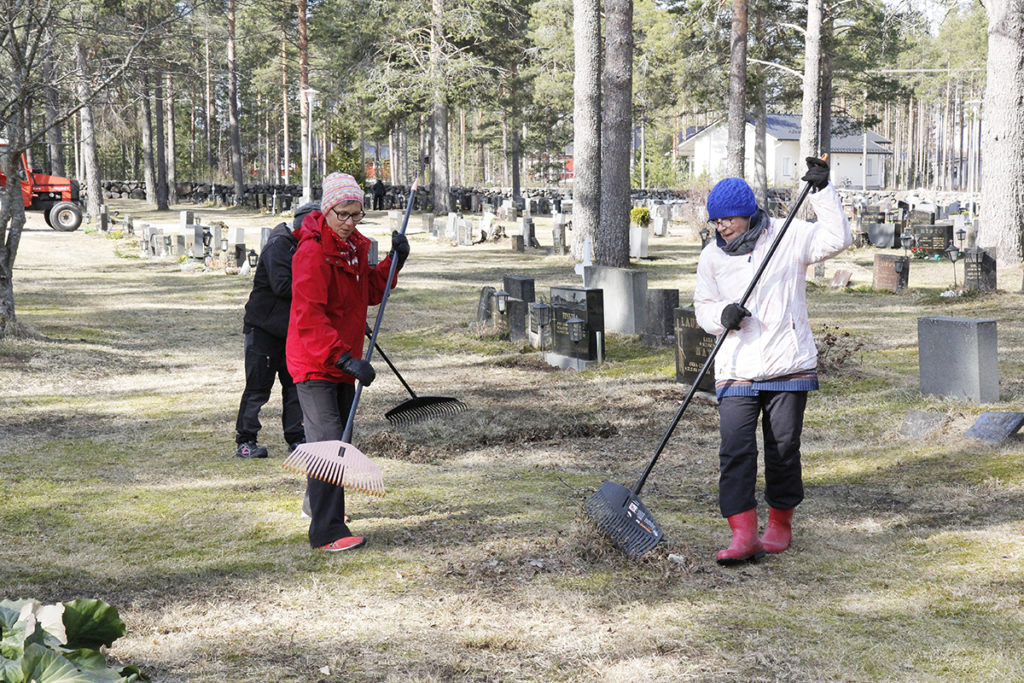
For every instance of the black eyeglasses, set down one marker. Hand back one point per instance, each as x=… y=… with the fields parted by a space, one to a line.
x=354 y=217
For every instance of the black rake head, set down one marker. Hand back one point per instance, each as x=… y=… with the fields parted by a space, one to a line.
x=424 y=408
x=624 y=519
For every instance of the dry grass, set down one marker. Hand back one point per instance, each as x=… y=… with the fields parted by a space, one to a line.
x=118 y=482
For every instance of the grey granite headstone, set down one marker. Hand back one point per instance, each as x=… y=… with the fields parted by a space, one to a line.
x=957 y=357
x=264 y=236
x=625 y=297
x=993 y=427
x=179 y=244
x=921 y=423
x=519 y=287
x=518 y=244
x=484 y=309
x=186 y=218
x=560 y=248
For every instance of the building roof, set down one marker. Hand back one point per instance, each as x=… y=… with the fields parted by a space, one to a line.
x=847 y=134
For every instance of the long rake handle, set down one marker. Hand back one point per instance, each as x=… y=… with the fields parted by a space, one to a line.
x=393 y=369
x=347 y=435
x=718 y=344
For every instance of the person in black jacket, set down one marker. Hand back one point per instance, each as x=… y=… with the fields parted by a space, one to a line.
x=378 y=195
x=265 y=328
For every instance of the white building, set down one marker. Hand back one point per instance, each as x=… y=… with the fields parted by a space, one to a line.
x=855 y=158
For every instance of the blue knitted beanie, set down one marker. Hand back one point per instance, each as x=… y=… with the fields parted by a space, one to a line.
x=731 y=197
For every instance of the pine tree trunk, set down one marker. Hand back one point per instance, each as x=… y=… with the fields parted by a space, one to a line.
x=586 y=193
x=159 y=143
x=809 y=126
x=1002 y=186
x=172 y=165
x=146 y=131
x=612 y=243
x=233 y=125
x=736 y=149
x=90 y=154
x=208 y=111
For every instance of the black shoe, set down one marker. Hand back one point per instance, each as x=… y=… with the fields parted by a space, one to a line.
x=293 y=445
x=250 y=449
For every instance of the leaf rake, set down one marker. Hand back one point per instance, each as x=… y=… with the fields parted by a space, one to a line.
x=418 y=408
x=338 y=463
x=616 y=510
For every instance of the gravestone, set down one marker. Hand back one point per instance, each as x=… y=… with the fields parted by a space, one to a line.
x=958 y=358
x=486 y=225
x=179 y=246
x=451 y=227
x=883 y=235
x=559 y=248
x=186 y=218
x=661 y=313
x=891 y=273
x=464 y=233
x=485 y=307
x=236 y=236
x=587 y=305
x=979 y=270
x=625 y=297
x=519 y=287
x=241 y=254
x=693 y=346
x=427 y=221
x=840 y=279
x=921 y=423
x=933 y=238
x=104 y=218
x=129 y=224
x=373 y=256
x=517 y=314
x=518 y=244
x=394 y=220
x=264 y=237
x=156 y=242
x=995 y=427
x=194 y=240
x=921 y=215
x=526 y=230
x=638 y=242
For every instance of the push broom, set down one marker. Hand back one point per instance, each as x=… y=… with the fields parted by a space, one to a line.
x=339 y=462
x=417 y=408
x=618 y=511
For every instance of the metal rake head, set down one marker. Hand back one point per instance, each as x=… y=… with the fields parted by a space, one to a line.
x=424 y=408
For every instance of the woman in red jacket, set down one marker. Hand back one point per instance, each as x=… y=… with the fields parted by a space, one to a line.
x=332 y=286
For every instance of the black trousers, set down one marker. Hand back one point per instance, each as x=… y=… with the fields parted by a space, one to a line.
x=325 y=408
x=378 y=202
x=265 y=362
x=782 y=420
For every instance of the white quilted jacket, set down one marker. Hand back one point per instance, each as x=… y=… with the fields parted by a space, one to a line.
x=776 y=339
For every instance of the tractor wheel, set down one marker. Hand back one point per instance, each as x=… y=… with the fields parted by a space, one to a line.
x=46 y=215
x=65 y=216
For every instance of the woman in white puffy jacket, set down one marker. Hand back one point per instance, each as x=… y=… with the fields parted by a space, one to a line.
x=768 y=361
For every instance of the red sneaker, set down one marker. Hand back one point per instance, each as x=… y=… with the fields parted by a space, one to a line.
x=345 y=543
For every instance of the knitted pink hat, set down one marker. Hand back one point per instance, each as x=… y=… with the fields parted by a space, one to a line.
x=338 y=188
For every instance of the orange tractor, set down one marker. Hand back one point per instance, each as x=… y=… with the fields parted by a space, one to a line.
x=55 y=196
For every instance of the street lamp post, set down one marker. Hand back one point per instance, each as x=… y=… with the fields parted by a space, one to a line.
x=307 y=147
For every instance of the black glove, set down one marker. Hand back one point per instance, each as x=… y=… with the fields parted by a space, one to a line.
x=400 y=247
x=733 y=315
x=817 y=173
x=357 y=367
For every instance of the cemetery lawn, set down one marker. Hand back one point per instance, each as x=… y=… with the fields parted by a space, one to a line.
x=118 y=482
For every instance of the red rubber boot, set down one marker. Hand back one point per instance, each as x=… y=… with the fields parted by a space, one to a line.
x=745 y=544
x=779 y=531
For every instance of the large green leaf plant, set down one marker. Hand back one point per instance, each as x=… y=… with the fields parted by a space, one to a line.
x=60 y=643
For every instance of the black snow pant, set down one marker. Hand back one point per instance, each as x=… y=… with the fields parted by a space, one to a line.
x=265 y=362
x=781 y=426
x=325 y=408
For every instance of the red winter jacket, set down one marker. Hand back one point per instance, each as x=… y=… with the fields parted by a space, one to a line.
x=329 y=301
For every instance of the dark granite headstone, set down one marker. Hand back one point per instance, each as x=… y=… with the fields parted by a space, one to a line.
x=957 y=357
x=693 y=346
x=577 y=302
x=519 y=287
x=883 y=235
x=979 y=270
x=993 y=427
x=891 y=272
x=661 y=307
x=517 y=312
x=933 y=238
x=518 y=243
x=918 y=217
x=241 y=254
